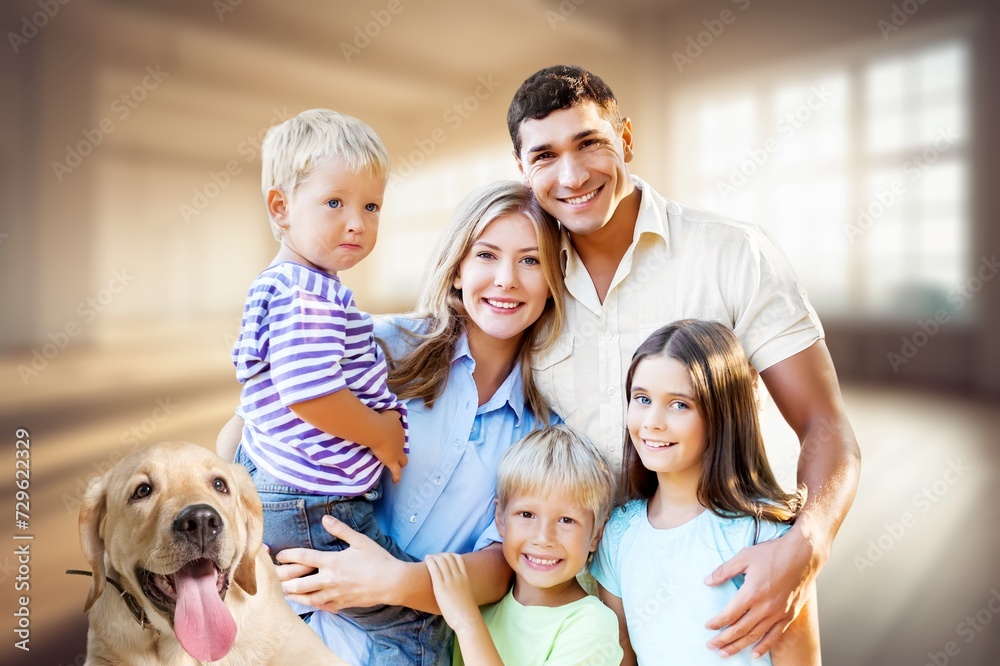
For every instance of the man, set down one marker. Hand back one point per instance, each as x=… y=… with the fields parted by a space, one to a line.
x=634 y=261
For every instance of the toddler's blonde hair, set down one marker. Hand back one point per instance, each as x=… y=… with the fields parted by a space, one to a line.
x=292 y=149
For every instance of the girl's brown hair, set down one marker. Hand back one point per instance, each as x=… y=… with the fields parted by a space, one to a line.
x=423 y=372
x=736 y=479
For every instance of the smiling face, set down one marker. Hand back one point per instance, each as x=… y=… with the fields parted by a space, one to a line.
x=502 y=283
x=575 y=162
x=330 y=221
x=178 y=524
x=546 y=541
x=663 y=421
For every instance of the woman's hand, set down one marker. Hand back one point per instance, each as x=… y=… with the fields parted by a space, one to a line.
x=359 y=576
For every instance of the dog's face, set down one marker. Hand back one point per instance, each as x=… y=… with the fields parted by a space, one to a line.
x=178 y=524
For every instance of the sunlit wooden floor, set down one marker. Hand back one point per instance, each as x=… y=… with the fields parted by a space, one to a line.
x=913 y=572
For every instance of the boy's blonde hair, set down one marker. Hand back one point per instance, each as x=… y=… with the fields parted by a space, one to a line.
x=292 y=149
x=558 y=458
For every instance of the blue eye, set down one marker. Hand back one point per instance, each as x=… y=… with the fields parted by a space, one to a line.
x=643 y=400
x=680 y=405
x=532 y=261
x=334 y=203
x=485 y=255
x=371 y=208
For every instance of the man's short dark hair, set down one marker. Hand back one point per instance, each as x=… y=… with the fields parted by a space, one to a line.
x=559 y=87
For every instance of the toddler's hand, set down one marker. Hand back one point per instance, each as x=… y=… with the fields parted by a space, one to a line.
x=453 y=591
x=395 y=467
x=392 y=456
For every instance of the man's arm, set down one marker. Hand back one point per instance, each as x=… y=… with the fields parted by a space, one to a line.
x=366 y=574
x=780 y=572
x=799 y=645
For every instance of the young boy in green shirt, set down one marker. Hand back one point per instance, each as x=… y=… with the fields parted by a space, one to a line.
x=554 y=494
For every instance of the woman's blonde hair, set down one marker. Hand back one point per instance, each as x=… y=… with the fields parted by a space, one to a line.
x=423 y=372
x=557 y=458
x=292 y=149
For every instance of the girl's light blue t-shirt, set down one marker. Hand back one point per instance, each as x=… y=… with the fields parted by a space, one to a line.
x=659 y=576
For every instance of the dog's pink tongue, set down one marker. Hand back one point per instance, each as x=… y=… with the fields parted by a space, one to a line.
x=203 y=624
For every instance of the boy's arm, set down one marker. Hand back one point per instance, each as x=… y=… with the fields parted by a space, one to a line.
x=366 y=574
x=799 y=645
x=343 y=415
x=615 y=604
x=454 y=596
x=780 y=572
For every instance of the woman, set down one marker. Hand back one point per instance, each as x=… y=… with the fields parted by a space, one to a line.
x=462 y=362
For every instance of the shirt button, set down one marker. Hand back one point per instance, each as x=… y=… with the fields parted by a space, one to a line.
x=437 y=481
x=608 y=336
x=611 y=390
x=413 y=518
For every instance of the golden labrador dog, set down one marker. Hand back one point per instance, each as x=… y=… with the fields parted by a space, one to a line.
x=178 y=530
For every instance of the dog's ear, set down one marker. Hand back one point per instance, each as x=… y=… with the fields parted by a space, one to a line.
x=92 y=514
x=249 y=501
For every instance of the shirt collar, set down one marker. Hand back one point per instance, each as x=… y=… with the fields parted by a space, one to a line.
x=653 y=215
x=511 y=392
x=653 y=212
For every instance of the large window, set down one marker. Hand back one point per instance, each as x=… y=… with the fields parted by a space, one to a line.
x=858 y=167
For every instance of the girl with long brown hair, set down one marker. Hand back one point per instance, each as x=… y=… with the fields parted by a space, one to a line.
x=696 y=488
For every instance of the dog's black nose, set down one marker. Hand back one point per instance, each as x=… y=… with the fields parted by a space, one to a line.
x=199 y=524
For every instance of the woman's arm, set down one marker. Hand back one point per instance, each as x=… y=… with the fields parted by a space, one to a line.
x=615 y=604
x=229 y=438
x=460 y=610
x=366 y=575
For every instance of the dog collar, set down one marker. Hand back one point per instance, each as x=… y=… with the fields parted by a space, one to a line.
x=133 y=605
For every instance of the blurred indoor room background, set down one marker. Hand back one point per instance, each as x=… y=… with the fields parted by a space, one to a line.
x=860 y=133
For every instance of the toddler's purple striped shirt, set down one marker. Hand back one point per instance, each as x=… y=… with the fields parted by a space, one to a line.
x=302 y=337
